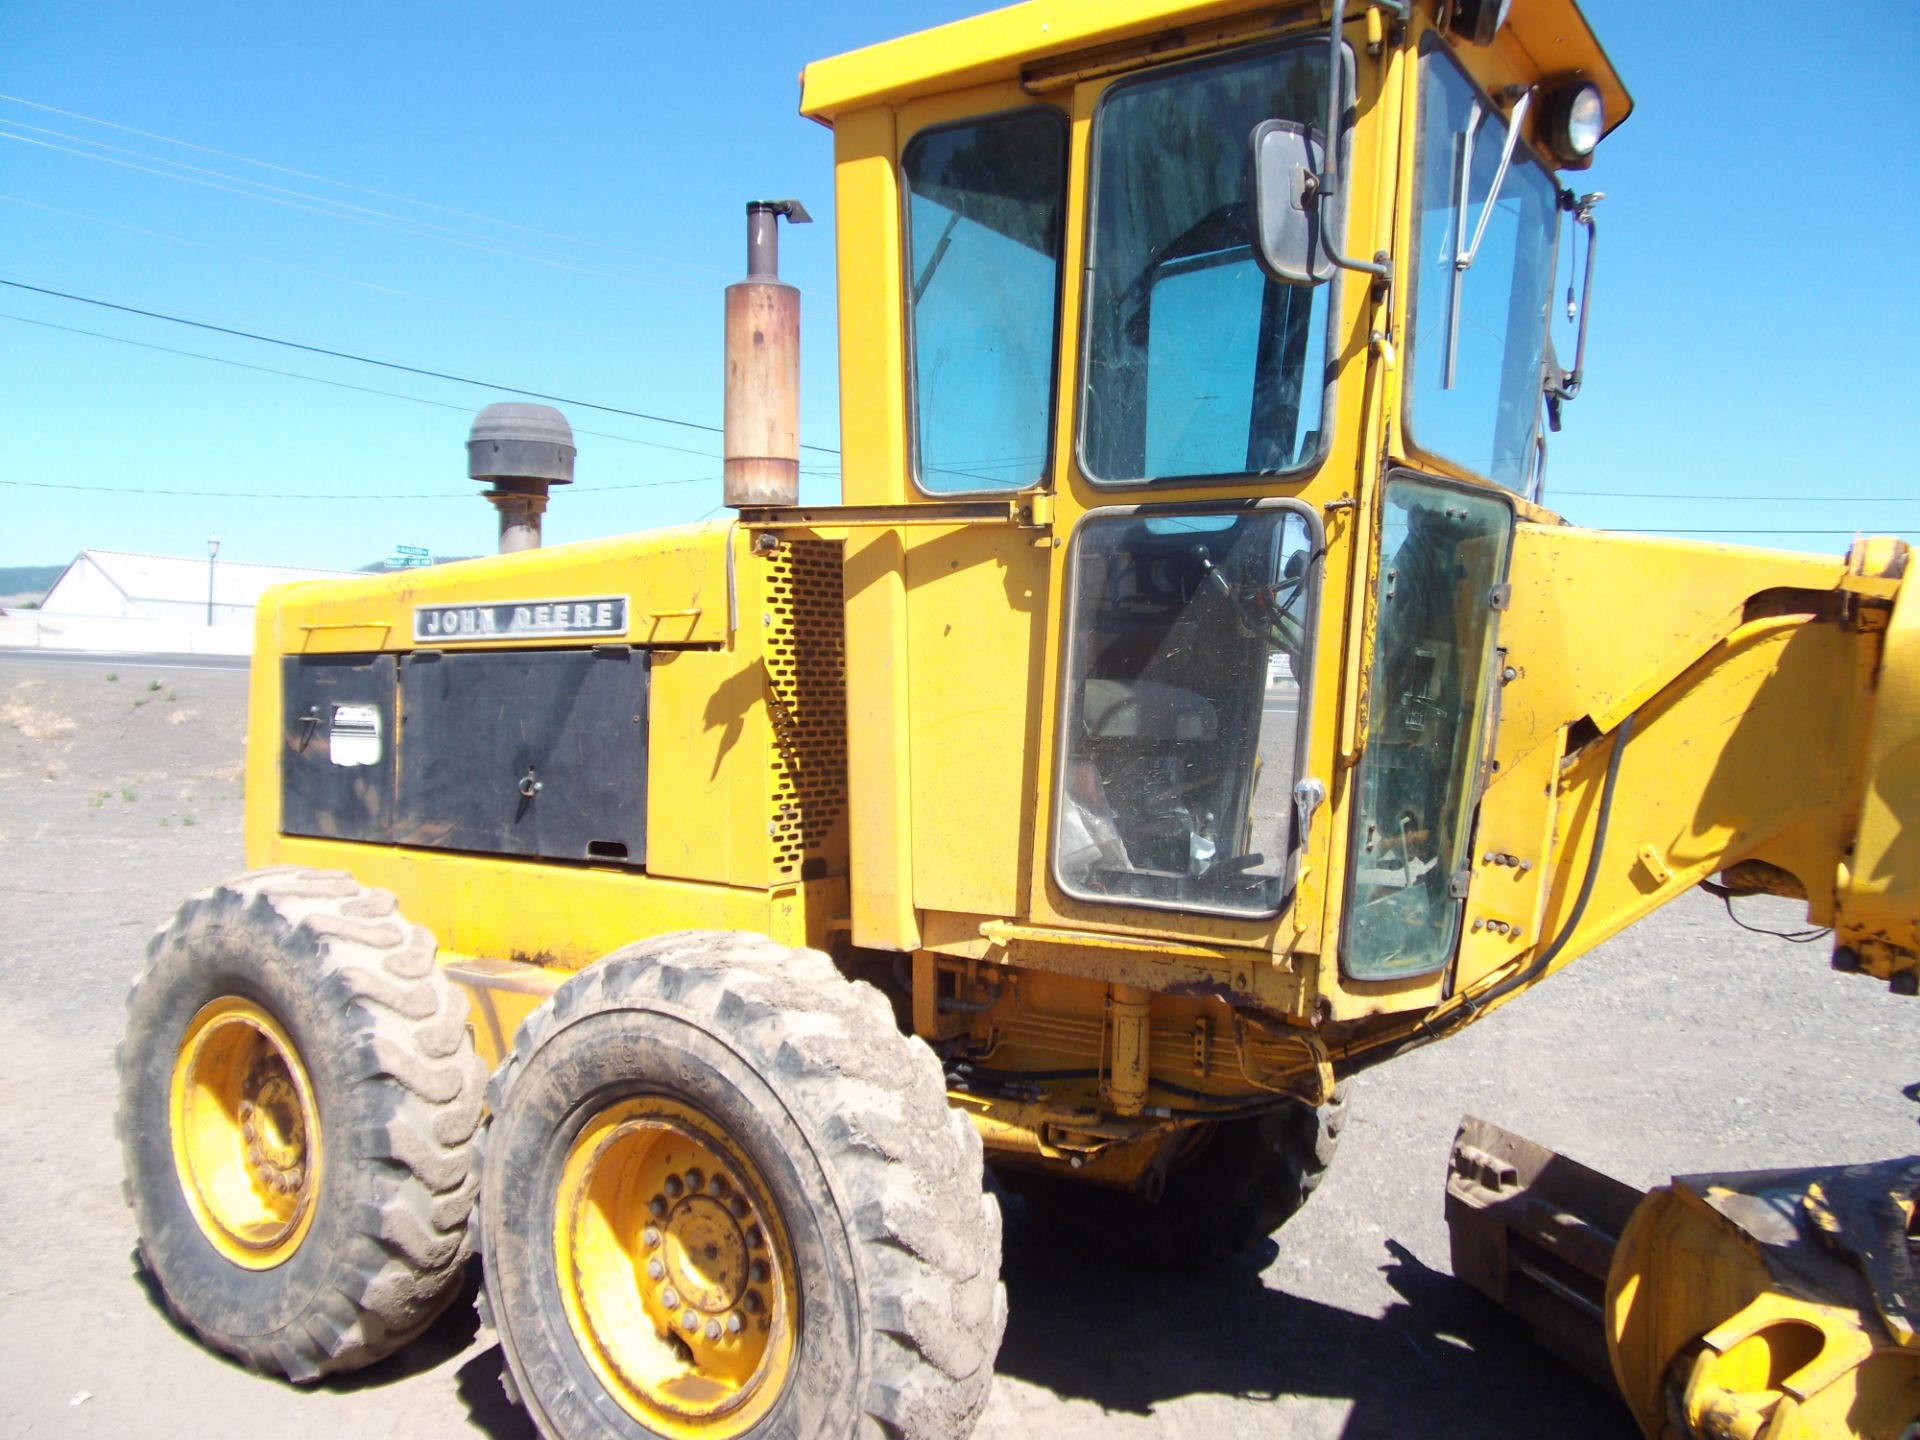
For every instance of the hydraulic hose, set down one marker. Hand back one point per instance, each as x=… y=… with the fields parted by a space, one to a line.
x=1469 y=1005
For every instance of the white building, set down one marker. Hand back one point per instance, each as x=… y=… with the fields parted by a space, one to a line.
x=112 y=600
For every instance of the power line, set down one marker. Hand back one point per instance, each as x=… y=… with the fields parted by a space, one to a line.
x=1617 y=530
x=325 y=495
x=1743 y=499
x=465 y=304
x=333 y=384
x=349 y=185
x=383 y=364
x=314 y=204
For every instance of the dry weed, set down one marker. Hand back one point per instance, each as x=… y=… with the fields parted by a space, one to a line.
x=36 y=722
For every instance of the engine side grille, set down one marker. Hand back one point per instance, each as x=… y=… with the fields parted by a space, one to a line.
x=806 y=689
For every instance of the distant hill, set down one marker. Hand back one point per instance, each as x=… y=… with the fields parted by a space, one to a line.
x=30 y=581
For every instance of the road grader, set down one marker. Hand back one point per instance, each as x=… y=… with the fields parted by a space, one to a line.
x=1191 y=703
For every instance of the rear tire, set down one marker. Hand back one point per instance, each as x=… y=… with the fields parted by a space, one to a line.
x=862 y=1256
x=298 y=1099
x=1248 y=1178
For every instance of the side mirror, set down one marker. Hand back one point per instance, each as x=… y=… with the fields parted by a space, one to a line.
x=1288 y=209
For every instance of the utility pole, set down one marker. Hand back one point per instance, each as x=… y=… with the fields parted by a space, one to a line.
x=213 y=549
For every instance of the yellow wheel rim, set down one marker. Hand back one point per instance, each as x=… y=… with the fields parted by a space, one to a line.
x=675 y=1269
x=245 y=1132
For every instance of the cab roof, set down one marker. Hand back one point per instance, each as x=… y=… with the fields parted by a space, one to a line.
x=1002 y=44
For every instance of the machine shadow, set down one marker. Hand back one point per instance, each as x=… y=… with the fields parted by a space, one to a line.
x=1441 y=1362
x=445 y=1338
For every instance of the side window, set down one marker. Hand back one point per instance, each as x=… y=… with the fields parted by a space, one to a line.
x=984 y=202
x=1442 y=550
x=1181 y=709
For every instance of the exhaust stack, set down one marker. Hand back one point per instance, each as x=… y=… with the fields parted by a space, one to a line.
x=762 y=445
x=520 y=450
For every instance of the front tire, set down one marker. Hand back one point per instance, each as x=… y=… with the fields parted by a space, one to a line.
x=725 y=1197
x=298 y=1099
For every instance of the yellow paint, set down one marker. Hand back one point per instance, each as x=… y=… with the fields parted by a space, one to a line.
x=501 y=994
x=245 y=1132
x=562 y=916
x=1880 y=894
x=1706 y=1324
x=675 y=1270
x=1768 y=729
x=675 y=582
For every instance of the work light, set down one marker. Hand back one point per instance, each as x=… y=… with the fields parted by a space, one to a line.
x=1573 y=122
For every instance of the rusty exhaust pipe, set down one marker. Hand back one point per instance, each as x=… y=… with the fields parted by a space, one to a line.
x=520 y=450
x=762 y=441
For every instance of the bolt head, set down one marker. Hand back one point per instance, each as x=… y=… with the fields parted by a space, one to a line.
x=717 y=1185
x=675 y=1189
x=713 y=1329
x=689 y=1322
x=757 y=1272
x=696 y=1179
x=750 y=1302
x=650 y=1237
x=754 y=1237
x=735 y=1324
x=657 y=1207
x=656 y=1269
x=670 y=1297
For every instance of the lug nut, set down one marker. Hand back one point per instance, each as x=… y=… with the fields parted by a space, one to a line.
x=735 y=1324
x=670 y=1297
x=690 y=1322
x=656 y=1269
x=657 y=1207
x=674 y=1188
x=713 y=1329
x=695 y=1179
x=754 y=1237
x=757 y=1272
x=750 y=1302
x=717 y=1185
x=650 y=1237
x=739 y=1207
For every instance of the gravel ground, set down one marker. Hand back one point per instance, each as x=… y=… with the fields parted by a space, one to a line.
x=1686 y=1044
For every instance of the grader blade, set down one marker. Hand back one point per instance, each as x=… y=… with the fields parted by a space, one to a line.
x=1764 y=1304
x=1535 y=1232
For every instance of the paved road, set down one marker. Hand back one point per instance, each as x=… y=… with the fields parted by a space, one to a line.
x=1685 y=1044
x=125 y=660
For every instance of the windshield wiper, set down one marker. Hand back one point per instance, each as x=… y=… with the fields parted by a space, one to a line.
x=1464 y=253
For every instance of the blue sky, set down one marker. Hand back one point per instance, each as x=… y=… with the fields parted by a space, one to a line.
x=552 y=197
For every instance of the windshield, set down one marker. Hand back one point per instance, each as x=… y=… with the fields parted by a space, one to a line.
x=1486 y=419
x=1196 y=363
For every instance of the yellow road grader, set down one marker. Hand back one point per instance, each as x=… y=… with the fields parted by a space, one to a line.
x=1191 y=703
